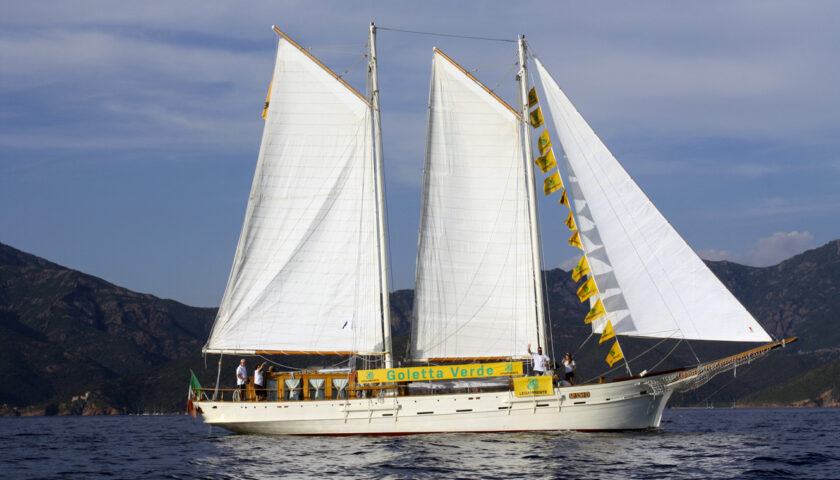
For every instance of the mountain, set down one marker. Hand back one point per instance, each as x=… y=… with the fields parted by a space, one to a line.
x=798 y=297
x=63 y=332
x=71 y=343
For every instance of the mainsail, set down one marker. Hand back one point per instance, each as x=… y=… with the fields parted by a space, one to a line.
x=475 y=277
x=306 y=275
x=651 y=282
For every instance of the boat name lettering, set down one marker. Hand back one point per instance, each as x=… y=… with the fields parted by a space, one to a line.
x=445 y=372
x=579 y=395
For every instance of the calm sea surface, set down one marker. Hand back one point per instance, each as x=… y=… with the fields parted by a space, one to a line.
x=713 y=443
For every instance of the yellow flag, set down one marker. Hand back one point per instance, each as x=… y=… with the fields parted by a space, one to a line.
x=267 y=98
x=543 y=143
x=547 y=161
x=615 y=354
x=587 y=289
x=552 y=183
x=581 y=269
x=564 y=200
x=597 y=311
x=608 y=334
x=532 y=97
x=537 y=118
x=574 y=240
x=570 y=222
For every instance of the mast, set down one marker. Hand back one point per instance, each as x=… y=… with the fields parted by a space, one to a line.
x=380 y=199
x=536 y=253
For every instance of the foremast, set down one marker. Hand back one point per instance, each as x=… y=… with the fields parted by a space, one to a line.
x=373 y=76
x=536 y=252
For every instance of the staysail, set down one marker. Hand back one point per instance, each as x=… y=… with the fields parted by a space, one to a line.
x=651 y=282
x=475 y=277
x=306 y=275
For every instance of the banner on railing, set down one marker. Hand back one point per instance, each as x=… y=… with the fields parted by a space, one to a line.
x=442 y=372
x=533 y=386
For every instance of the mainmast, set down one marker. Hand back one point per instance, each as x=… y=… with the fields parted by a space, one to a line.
x=536 y=253
x=380 y=199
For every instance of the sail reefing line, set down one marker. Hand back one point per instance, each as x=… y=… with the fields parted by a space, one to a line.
x=319 y=63
x=472 y=77
x=306 y=277
x=416 y=32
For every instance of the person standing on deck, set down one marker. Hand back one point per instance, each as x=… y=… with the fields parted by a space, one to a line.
x=259 y=382
x=570 y=366
x=241 y=379
x=540 y=361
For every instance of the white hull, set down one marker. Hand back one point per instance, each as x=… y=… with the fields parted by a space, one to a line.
x=626 y=405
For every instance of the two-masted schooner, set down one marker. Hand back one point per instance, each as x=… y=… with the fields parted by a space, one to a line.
x=310 y=272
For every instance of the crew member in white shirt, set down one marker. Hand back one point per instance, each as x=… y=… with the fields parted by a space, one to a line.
x=570 y=366
x=259 y=382
x=540 y=361
x=241 y=378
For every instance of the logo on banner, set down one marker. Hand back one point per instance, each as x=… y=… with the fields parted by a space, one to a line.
x=533 y=386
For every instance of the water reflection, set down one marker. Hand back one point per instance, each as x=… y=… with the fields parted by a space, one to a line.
x=693 y=444
x=554 y=455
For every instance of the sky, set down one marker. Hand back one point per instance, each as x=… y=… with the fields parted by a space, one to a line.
x=129 y=132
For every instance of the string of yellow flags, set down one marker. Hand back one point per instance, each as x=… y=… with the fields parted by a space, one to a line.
x=587 y=290
x=597 y=311
x=574 y=240
x=581 y=269
x=615 y=354
x=608 y=333
x=553 y=183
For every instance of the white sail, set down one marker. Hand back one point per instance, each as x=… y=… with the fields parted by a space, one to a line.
x=475 y=278
x=652 y=283
x=306 y=274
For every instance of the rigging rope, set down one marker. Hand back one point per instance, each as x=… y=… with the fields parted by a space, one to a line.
x=334 y=47
x=497 y=62
x=352 y=66
x=299 y=369
x=631 y=360
x=584 y=343
x=666 y=356
x=296 y=369
x=504 y=77
x=447 y=35
x=724 y=386
x=693 y=353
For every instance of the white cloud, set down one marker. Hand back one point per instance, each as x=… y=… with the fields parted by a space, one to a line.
x=766 y=251
x=104 y=81
x=776 y=206
x=569 y=263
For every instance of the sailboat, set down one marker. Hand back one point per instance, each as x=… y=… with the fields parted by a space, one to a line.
x=310 y=272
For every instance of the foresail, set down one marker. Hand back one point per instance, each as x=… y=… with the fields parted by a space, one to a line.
x=306 y=274
x=651 y=282
x=475 y=279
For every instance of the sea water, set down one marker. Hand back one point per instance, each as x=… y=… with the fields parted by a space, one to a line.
x=707 y=443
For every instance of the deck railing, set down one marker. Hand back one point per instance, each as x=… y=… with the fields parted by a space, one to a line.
x=248 y=394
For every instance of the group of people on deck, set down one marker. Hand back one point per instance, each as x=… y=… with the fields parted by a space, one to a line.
x=539 y=367
x=541 y=362
x=259 y=380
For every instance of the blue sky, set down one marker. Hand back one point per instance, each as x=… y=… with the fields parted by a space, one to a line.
x=129 y=132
